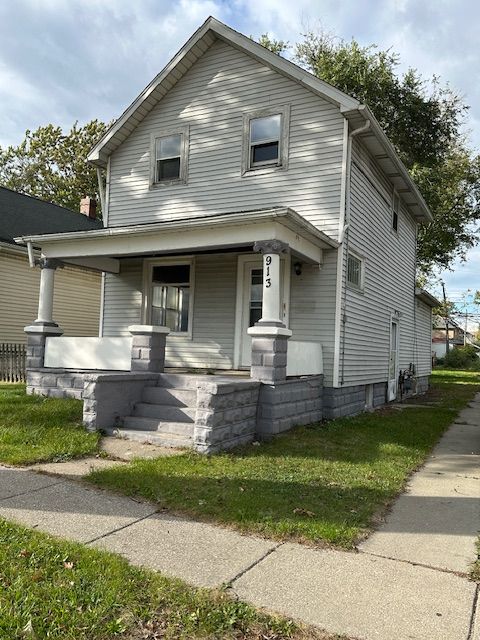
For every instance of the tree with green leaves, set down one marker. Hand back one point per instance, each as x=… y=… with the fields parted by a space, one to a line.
x=51 y=165
x=423 y=120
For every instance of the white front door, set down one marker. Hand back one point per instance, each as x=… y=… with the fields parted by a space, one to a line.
x=249 y=302
x=393 y=361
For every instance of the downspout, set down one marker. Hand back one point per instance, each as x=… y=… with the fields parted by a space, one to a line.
x=101 y=190
x=343 y=249
x=31 y=257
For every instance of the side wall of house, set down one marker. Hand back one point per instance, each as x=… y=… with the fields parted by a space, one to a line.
x=423 y=345
x=312 y=308
x=76 y=298
x=389 y=282
x=212 y=98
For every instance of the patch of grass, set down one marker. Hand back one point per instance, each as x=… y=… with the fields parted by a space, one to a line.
x=36 y=429
x=64 y=591
x=324 y=483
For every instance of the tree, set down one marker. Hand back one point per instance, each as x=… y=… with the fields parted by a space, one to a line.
x=51 y=165
x=275 y=46
x=423 y=120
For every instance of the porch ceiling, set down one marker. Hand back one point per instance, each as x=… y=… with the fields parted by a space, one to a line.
x=101 y=248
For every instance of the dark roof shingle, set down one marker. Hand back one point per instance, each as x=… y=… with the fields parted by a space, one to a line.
x=22 y=215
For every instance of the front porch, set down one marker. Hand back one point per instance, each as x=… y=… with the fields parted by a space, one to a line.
x=173 y=300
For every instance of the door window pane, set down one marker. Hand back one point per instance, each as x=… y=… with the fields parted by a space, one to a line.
x=256 y=295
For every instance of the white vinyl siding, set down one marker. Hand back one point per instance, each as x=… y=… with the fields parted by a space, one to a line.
x=389 y=279
x=312 y=308
x=211 y=345
x=76 y=305
x=423 y=319
x=212 y=99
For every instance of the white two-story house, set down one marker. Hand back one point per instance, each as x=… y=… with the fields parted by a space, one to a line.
x=258 y=222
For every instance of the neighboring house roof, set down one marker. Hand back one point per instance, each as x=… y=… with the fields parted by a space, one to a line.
x=21 y=215
x=358 y=115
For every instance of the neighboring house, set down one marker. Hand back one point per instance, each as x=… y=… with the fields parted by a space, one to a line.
x=263 y=219
x=456 y=336
x=76 y=304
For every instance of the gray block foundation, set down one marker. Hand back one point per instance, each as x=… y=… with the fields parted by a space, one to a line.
x=288 y=404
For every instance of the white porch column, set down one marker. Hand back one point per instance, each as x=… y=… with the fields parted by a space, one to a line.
x=269 y=334
x=45 y=297
x=44 y=326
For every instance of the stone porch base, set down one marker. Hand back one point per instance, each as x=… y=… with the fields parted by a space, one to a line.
x=230 y=410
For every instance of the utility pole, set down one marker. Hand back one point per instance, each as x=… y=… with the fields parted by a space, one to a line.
x=447 y=337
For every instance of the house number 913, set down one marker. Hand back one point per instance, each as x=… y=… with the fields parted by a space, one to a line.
x=268 y=281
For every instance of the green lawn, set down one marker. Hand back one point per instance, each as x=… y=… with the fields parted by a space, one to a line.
x=320 y=484
x=36 y=429
x=64 y=591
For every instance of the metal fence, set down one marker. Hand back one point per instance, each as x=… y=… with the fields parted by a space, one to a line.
x=12 y=362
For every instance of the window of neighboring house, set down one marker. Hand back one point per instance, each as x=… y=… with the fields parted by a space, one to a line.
x=170 y=304
x=266 y=139
x=169 y=157
x=355 y=271
x=395 y=211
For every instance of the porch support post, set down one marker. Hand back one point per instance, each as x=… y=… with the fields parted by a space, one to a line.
x=44 y=326
x=148 y=348
x=269 y=334
x=45 y=298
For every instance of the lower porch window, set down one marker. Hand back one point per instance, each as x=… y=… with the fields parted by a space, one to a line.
x=170 y=296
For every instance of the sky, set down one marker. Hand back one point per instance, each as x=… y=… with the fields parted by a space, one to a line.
x=63 y=61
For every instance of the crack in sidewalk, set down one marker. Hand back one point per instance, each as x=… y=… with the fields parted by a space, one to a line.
x=124 y=526
x=460 y=574
x=229 y=584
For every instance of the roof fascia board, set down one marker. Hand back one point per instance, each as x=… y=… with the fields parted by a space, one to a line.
x=380 y=135
x=285 y=216
x=95 y=155
x=427 y=298
x=285 y=67
x=241 y=42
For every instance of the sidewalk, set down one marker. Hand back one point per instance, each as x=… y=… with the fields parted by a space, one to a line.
x=406 y=582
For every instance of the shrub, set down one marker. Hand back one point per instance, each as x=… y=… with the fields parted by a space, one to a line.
x=462 y=357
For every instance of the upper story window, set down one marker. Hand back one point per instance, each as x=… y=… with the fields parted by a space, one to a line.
x=395 y=210
x=354 y=271
x=266 y=139
x=169 y=157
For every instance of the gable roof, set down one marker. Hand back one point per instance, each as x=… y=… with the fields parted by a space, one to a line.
x=375 y=139
x=24 y=215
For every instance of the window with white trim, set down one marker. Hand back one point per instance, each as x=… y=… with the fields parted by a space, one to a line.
x=354 y=271
x=169 y=157
x=266 y=139
x=395 y=210
x=171 y=295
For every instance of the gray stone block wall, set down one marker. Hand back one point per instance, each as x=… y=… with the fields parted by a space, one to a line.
x=269 y=358
x=379 y=394
x=423 y=384
x=344 y=401
x=55 y=383
x=148 y=352
x=109 y=397
x=289 y=403
x=226 y=414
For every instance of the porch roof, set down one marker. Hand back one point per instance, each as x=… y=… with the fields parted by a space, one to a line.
x=101 y=248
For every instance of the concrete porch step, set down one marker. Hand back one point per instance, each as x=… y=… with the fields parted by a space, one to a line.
x=139 y=423
x=152 y=437
x=171 y=396
x=164 y=412
x=179 y=380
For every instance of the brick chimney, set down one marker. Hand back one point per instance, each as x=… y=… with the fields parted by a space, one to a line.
x=88 y=206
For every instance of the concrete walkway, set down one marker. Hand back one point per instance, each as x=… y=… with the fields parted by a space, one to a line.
x=407 y=582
